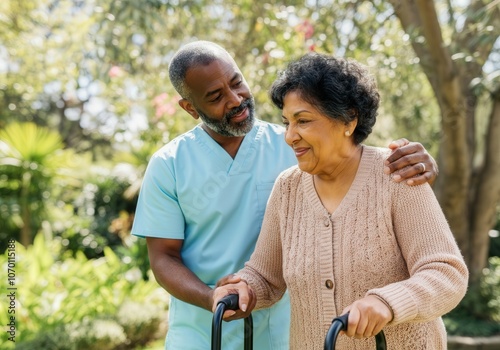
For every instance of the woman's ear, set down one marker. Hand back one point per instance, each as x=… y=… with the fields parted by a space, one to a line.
x=351 y=125
x=188 y=107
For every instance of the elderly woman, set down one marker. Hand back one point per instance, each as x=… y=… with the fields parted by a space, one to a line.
x=339 y=234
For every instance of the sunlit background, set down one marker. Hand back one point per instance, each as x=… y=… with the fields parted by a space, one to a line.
x=85 y=100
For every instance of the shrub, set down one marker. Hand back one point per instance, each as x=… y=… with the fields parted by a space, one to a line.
x=484 y=320
x=99 y=217
x=96 y=335
x=139 y=321
x=52 y=294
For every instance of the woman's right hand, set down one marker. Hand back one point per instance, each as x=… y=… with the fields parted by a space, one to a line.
x=234 y=285
x=367 y=317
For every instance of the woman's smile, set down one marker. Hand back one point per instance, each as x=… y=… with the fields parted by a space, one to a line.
x=300 y=151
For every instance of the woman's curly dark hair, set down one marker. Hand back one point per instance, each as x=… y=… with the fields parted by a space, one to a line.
x=340 y=88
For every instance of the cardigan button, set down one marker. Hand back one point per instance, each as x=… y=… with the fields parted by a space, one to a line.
x=327 y=222
x=329 y=284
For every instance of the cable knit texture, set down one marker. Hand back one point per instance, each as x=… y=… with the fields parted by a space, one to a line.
x=385 y=239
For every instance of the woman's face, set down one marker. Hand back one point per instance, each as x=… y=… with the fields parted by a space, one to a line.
x=319 y=142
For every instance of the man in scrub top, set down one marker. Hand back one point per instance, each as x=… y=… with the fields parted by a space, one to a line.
x=207 y=190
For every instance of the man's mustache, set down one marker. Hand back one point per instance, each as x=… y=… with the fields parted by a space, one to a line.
x=239 y=109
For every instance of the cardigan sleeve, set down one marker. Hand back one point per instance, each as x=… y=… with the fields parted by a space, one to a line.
x=264 y=272
x=438 y=274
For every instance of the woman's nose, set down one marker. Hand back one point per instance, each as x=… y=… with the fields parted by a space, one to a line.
x=291 y=134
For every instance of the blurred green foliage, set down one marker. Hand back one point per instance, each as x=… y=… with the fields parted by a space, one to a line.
x=77 y=292
x=31 y=160
x=495 y=237
x=85 y=101
x=96 y=75
x=479 y=312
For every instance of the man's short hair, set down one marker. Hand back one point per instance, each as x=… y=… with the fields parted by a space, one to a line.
x=191 y=55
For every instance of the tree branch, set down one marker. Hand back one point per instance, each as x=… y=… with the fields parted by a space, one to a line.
x=451 y=21
x=431 y=29
x=406 y=11
x=479 y=37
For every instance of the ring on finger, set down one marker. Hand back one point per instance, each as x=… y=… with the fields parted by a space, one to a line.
x=423 y=168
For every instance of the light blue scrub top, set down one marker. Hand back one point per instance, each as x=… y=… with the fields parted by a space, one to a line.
x=193 y=190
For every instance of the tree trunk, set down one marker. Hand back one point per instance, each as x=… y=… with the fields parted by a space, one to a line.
x=452 y=187
x=469 y=202
x=487 y=194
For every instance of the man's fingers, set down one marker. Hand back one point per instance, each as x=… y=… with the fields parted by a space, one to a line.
x=398 y=143
x=421 y=179
x=409 y=171
x=229 y=279
x=410 y=154
x=228 y=314
x=237 y=315
x=411 y=163
x=414 y=176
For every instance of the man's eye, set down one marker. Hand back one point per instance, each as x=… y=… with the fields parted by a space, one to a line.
x=216 y=99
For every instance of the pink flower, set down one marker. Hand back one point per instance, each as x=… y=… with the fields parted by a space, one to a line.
x=115 y=71
x=306 y=28
x=164 y=107
x=160 y=98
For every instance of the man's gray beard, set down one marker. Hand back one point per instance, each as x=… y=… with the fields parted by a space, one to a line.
x=223 y=127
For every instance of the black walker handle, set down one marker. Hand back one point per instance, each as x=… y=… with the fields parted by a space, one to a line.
x=230 y=302
x=340 y=324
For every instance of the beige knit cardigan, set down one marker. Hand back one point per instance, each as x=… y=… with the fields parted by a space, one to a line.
x=385 y=238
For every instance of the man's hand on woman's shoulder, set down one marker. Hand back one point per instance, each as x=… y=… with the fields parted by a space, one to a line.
x=410 y=161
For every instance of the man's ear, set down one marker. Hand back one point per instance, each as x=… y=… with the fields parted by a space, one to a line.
x=188 y=107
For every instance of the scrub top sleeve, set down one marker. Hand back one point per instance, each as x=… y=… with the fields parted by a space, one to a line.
x=158 y=213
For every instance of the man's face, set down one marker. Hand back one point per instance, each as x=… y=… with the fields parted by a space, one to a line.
x=237 y=122
x=221 y=98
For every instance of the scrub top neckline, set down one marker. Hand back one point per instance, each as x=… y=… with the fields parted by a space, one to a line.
x=231 y=166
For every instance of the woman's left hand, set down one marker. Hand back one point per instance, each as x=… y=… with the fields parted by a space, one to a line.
x=410 y=161
x=367 y=317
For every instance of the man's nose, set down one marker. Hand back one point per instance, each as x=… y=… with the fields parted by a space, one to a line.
x=234 y=100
